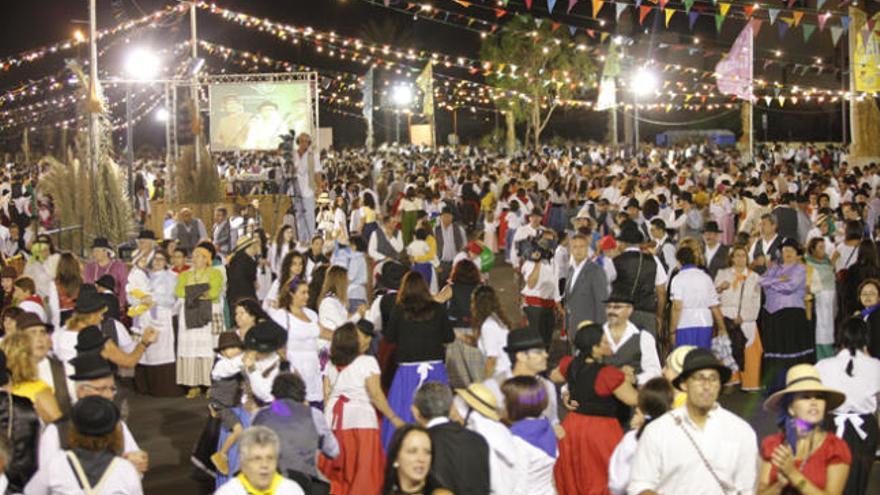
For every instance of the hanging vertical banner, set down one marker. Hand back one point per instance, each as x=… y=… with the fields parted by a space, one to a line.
x=425 y=83
x=607 y=94
x=733 y=73
x=612 y=62
x=368 y=106
x=866 y=56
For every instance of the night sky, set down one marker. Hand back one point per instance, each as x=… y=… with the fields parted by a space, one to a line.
x=36 y=23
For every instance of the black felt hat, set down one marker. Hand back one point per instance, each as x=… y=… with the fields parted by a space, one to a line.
x=90 y=366
x=266 y=336
x=701 y=359
x=524 y=339
x=90 y=339
x=89 y=301
x=95 y=416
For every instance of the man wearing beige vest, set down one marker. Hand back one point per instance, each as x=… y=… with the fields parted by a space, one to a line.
x=306 y=171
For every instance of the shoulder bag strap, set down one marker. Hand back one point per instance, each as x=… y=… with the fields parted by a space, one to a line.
x=742 y=290
x=638 y=274
x=81 y=477
x=679 y=422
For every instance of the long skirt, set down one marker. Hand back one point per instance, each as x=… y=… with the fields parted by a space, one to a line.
x=863 y=450
x=751 y=372
x=360 y=466
x=159 y=380
x=824 y=303
x=584 y=454
x=408 y=225
x=408 y=378
x=788 y=340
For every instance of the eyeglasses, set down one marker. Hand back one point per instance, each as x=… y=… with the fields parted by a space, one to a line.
x=706 y=379
x=112 y=389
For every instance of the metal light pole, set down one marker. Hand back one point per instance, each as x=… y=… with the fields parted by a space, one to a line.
x=196 y=117
x=129 y=147
x=93 y=82
x=397 y=126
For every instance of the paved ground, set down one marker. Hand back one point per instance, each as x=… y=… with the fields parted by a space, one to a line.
x=168 y=428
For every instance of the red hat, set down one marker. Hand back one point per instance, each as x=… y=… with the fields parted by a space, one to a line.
x=474 y=248
x=607 y=243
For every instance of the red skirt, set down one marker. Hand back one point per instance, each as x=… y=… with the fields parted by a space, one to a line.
x=584 y=454
x=359 y=468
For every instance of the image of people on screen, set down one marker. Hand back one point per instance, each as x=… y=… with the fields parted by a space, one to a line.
x=234 y=127
x=267 y=127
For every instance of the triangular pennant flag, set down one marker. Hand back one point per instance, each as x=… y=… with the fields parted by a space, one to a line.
x=597 y=6
x=823 y=18
x=463 y=3
x=791 y=2
x=591 y=33
x=836 y=33
x=756 y=26
x=572 y=29
x=499 y=13
x=692 y=18
x=571 y=4
x=723 y=8
x=808 y=31
x=748 y=9
x=550 y=5
x=844 y=22
x=781 y=101
x=554 y=26
x=387 y=2
x=603 y=37
x=619 y=7
x=528 y=4
x=538 y=21
x=767 y=100
x=669 y=14
x=688 y=4
x=774 y=13
x=781 y=29
x=643 y=11
x=819 y=4
x=798 y=15
x=638 y=3
x=663 y=4
x=719 y=21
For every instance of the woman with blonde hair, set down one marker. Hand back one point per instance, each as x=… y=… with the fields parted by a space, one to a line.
x=24 y=378
x=333 y=300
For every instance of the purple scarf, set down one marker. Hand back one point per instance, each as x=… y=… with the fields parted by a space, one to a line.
x=865 y=313
x=537 y=432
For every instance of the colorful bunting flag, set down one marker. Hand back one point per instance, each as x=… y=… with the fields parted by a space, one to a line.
x=774 y=13
x=643 y=12
x=808 y=31
x=572 y=29
x=463 y=3
x=550 y=5
x=603 y=37
x=597 y=6
x=836 y=33
x=791 y=2
x=669 y=14
x=620 y=7
x=823 y=18
x=748 y=9
x=844 y=22
x=499 y=13
x=781 y=101
x=607 y=94
x=692 y=18
x=663 y=4
x=723 y=8
x=734 y=72
x=719 y=21
x=819 y=4
x=798 y=15
x=767 y=100
x=554 y=26
x=781 y=29
x=571 y=4
x=528 y=4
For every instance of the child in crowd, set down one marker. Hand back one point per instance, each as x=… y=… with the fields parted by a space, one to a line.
x=490 y=229
x=226 y=381
x=424 y=258
x=25 y=293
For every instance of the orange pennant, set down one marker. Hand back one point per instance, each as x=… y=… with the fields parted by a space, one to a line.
x=597 y=6
x=643 y=12
x=797 y=16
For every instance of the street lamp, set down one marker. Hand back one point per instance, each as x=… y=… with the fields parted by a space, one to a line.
x=643 y=83
x=162 y=115
x=141 y=64
x=401 y=97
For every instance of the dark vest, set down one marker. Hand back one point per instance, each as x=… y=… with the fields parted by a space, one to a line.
x=786 y=221
x=457 y=237
x=383 y=245
x=582 y=384
x=293 y=423
x=630 y=353
x=758 y=251
x=635 y=282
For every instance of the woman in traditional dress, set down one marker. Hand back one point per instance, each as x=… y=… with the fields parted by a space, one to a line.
x=293 y=266
x=285 y=242
x=351 y=391
x=785 y=333
x=740 y=298
x=104 y=263
x=197 y=340
x=525 y=399
x=490 y=328
x=156 y=373
x=592 y=430
x=421 y=329
x=856 y=374
x=303 y=332
x=869 y=298
x=803 y=457
x=821 y=285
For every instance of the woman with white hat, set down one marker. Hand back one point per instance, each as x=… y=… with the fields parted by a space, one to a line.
x=803 y=457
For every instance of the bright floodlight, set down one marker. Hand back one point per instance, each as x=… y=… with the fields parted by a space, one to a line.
x=142 y=64
x=644 y=82
x=162 y=115
x=402 y=95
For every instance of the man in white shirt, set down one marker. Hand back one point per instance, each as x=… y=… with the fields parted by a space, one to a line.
x=524 y=232
x=92 y=377
x=698 y=448
x=541 y=292
x=633 y=351
x=306 y=170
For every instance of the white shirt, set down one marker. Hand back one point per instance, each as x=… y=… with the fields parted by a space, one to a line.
x=537 y=468
x=234 y=487
x=847 y=256
x=358 y=412
x=547 y=286
x=667 y=462
x=57 y=478
x=522 y=233
x=44 y=369
x=861 y=388
x=576 y=271
x=650 y=362
x=621 y=463
x=300 y=162
x=332 y=314
x=695 y=289
x=64 y=344
x=505 y=466
x=493 y=338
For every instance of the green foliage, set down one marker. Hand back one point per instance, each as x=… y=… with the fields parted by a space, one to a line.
x=537 y=68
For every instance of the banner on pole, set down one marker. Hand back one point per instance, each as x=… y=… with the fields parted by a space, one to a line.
x=368 y=106
x=425 y=83
x=607 y=94
x=866 y=56
x=734 y=72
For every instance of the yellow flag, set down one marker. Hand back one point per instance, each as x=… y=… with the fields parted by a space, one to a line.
x=866 y=55
x=669 y=14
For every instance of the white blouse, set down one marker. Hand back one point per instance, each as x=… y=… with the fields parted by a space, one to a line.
x=58 y=478
x=358 y=412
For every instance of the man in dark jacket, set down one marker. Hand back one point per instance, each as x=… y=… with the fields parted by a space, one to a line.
x=460 y=457
x=19 y=423
x=242 y=270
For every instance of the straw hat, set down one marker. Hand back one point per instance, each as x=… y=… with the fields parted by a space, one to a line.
x=804 y=378
x=675 y=360
x=481 y=399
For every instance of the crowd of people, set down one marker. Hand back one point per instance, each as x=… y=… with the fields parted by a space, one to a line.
x=361 y=347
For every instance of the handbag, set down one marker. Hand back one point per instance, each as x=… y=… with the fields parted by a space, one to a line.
x=197 y=311
x=735 y=334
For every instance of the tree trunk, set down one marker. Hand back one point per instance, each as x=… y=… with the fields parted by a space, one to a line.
x=536 y=122
x=510 y=121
